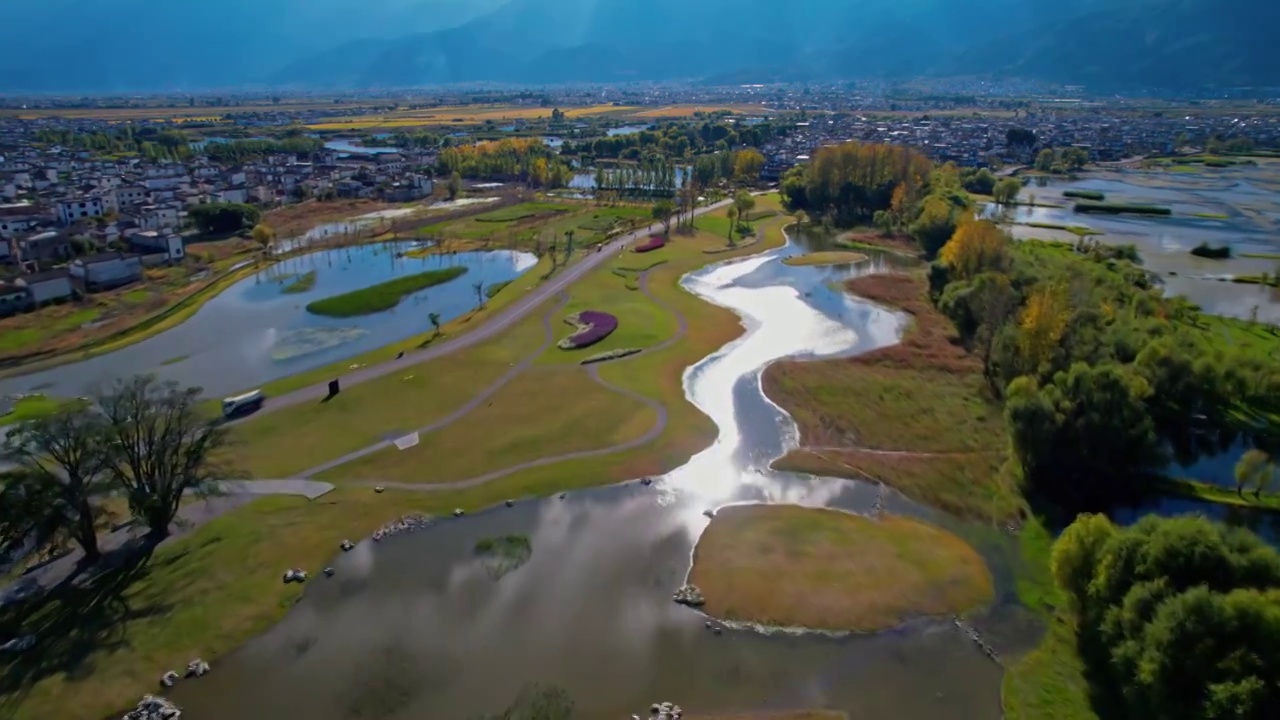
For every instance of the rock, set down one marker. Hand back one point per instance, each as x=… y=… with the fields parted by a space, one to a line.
x=457 y=512
x=709 y=513
x=689 y=595
x=646 y=481
x=511 y=503
x=328 y=572
x=294 y=575
x=168 y=679
x=347 y=546
x=707 y=624
x=408 y=523
x=19 y=644
x=154 y=707
x=655 y=708
x=197 y=668
x=379 y=489
x=564 y=495
x=717 y=630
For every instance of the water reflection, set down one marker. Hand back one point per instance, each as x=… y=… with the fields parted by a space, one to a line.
x=416 y=627
x=254 y=332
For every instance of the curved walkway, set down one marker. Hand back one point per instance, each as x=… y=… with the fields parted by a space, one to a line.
x=593 y=371
x=472 y=404
x=504 y=319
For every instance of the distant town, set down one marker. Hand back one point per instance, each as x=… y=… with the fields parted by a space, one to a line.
x=94 y=191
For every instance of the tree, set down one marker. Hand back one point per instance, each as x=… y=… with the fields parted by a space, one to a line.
x=59 y=461
x=454 y=186
x=1075 y=158
x=435 y=322
x=747 y=165
x=1019 y=137
x=1254 y=469
x=733 y=223
x=568 y=245
x=976 y=247
x=744 y=202
x=224 y=217
x=662 y=212
x=1042 y=324
x=1006 y=191
x=1045 y=160
x=1078 y=552
x=263 y=235
x=159 y=444
x=935 y=224
x=478 y=287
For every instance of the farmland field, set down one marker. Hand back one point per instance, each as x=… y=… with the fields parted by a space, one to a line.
x=461 y=114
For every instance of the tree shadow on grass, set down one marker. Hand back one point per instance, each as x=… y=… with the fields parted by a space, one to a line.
x=86 y=614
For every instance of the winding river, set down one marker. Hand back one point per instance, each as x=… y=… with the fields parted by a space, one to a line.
x=416 y=627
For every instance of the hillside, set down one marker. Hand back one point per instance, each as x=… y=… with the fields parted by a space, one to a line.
x=160 y=45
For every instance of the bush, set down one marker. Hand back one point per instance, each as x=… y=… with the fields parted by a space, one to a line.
x=383 y=296
x=1085 y=195
x=224 y=217
x=1213 y=252
x=592 y=327
x=655 y=242
x=611 y=355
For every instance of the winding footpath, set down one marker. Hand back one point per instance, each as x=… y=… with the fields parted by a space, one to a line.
x=593 y=371
x=503 y=320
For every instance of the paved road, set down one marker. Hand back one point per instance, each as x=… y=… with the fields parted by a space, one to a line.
x=504 y=319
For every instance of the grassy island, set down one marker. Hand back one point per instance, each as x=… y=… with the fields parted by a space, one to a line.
x=383 y=296
x=827 y=257
x=503 y=554
x=800 y=567
x=1114 y=208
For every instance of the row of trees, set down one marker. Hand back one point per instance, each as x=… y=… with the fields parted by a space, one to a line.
x=1061 y=160
x=149 y=142
x=528 y=159
x=239 y=151
x=677 y=140
x=851 y=182
x=147 y=441
x=1180 y=618
x=1087 y=354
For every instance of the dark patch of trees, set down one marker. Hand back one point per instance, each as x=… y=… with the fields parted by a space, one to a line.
x=223 y=218
x=238 y=151
x=849 y=183
x=1020 y=137
x=677 y=140
x=1179 y=618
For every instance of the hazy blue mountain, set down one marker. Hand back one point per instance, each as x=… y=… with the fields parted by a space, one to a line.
x=106 y=45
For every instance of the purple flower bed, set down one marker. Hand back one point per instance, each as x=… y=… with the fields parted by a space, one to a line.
x=653 y=243
x=592 y=327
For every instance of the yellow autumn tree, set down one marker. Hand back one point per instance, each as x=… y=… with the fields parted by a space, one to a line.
x=1043 y=323
x=976 y=247
x=899 y=204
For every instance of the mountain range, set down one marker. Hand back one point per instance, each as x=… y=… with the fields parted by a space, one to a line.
x=151 y=45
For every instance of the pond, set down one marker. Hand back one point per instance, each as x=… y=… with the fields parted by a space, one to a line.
x=254 y=332
x=416 y=626
x=1237 y=207
x=626 y=130
x=348 y=145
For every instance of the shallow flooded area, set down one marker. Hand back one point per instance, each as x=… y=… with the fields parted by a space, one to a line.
x=1238 y=207
x=416 y=625
x=255 y=331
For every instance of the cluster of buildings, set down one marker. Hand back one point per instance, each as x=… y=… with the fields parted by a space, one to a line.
x=973 y=139
x=74 y=221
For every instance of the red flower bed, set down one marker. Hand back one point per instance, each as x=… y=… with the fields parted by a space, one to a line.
x=653 y=243
x=593 y=326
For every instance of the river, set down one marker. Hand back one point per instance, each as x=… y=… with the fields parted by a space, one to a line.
x=415 y=626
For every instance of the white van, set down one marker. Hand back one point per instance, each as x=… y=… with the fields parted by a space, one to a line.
x=242 y=404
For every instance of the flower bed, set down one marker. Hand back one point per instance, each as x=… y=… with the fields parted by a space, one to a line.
x=611 y=355
x=592 y=327
x=653 y=243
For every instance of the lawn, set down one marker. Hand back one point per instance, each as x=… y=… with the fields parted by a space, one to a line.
x=294 y=439
x=300 y=283
x=23 y=332
x=543 y=412
x=827 y=257
x=31 y=406
x=521 y=225
x=790 y=566
x=383 y=296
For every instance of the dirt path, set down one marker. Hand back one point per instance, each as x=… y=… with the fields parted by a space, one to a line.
x=498 y=323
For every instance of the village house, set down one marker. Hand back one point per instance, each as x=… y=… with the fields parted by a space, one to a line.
x=71 y=209
x=106 y=270
x=151 y=242
x=157 y=217
x=47 y=287
x=13 y=299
